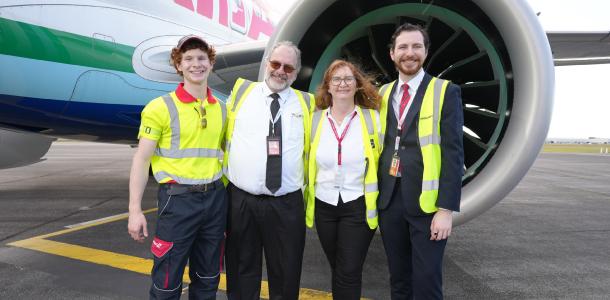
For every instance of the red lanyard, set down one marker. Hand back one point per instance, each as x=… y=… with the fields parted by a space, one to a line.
x=340 y=139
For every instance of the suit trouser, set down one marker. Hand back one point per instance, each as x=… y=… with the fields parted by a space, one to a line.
x=345 y=237
x=190 y=227
x=275 y=225
x=415 y=262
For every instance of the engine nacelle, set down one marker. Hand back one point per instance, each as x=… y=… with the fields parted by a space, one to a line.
x=495 y=50
x=20 y=148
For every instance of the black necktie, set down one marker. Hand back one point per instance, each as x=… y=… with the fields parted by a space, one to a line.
x=273 y=178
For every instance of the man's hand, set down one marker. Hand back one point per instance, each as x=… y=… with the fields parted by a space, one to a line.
x=440 y=228
x=137 y=227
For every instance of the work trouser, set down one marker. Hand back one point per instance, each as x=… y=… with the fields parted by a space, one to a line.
x=271 y=225
x=190 y=227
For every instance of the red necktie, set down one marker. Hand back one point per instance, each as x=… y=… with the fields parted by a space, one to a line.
x=405 y=99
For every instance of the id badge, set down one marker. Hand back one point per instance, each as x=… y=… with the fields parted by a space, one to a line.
x=395 y=165
x=274 y=146
x=339 y=178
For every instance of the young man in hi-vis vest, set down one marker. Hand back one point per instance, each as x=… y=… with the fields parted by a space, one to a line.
x=180 y=136
x=420 y=168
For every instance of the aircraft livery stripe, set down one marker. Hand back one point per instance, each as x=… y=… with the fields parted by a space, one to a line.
x=79 y=83
x=59 y=46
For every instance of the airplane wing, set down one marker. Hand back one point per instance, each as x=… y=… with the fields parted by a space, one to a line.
x=150 y=60
x=579 y=48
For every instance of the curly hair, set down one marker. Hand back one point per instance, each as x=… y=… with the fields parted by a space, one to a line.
x=176 y=55
x=366 y=93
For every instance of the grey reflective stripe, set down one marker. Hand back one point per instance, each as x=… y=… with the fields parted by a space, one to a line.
x=306 y=97
x=240 y=94
x=429 y=185
x=371 y=213
x=371 y=187
x=223 y=111
x=438 y=88
x=433 y=139
x=314 y=123
x=369 y=121
x=384 y=88
x=174 y=151
x=162 y=174
x=174 y=121
x=207 y=277
x=189 y=152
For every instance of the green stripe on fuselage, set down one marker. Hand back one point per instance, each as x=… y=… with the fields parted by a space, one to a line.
x=37 y=42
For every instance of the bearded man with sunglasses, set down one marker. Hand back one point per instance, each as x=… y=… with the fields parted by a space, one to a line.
x=180 y=136
x=265 y=162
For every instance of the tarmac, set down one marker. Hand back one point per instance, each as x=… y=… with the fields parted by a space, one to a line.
x=63 y=234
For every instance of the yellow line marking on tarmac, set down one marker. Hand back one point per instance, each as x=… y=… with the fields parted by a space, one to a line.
x=123 y=261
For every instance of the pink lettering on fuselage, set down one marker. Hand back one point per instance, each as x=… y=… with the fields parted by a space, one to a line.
x=235 y=18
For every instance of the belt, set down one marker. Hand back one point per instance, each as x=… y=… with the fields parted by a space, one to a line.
x=177 y=188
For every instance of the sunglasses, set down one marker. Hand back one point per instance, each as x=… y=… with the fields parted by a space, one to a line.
x=276 y=65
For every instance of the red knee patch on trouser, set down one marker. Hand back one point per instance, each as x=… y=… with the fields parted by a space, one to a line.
x=160 y=247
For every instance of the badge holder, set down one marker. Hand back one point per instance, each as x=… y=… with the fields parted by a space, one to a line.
x=395 y=165
x=274 y=145
x=339 y=178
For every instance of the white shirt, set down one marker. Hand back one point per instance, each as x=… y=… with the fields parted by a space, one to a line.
x=413 y=86
x=248 y=151
x=352 y=161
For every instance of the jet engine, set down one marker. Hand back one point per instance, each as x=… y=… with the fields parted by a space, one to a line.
x=496 y=51
x=22 y=148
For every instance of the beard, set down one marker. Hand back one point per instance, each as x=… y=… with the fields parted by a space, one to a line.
x=410 y=70
x=277 y=82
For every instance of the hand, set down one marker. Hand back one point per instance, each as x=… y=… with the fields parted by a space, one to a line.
x=440 y=228
x=137 y=226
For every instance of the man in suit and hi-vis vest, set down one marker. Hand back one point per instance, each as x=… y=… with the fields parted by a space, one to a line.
x=420 y=168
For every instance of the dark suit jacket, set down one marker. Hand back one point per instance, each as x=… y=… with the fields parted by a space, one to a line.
x=411 y=163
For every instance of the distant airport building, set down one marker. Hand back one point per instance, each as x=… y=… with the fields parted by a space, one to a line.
x=590 y=140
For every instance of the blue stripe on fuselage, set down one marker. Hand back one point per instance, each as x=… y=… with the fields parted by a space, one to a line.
x=74 y=101
x=79 y=120
x=40 y=79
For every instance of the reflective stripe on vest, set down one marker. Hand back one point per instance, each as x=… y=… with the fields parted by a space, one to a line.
x=384 y=91
x=240 y=91
x=175 y=152
x=240 y=94
x=430 y=139
x=370 y=187
x=307 y=97
x=162 y=174
x=428 y=135
x=306 y=100
x=244 y=85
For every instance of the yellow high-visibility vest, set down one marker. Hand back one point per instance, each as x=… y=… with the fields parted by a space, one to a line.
x=241 y=90
x=372 y=150
x=428 y=132
x=186 y=152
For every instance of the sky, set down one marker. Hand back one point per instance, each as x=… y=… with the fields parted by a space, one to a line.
x=582 y=103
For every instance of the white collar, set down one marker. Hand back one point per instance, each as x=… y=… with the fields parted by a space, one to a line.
x=414 y=82
x=284 y=94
